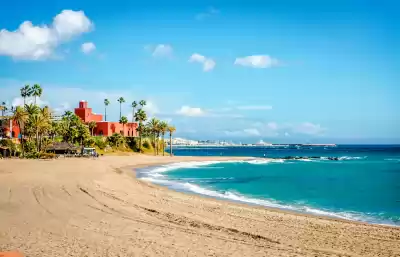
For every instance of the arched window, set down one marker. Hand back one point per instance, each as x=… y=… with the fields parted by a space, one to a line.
x=13 y=134
x=101 y=132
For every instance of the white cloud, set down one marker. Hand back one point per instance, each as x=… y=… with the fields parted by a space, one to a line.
x=31 y=42
x=151 y=108
x=62 y=108
x=88 y=47
x=208 y=63
x=210 y=12
x=190 y=111
x=255 y=107
x=272 y=125
x=309 y=128
x=257 y=61
x=287 y=134
x=161 y=50
x=243 y=133
x=19 y=101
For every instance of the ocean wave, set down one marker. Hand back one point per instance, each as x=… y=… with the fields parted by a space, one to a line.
x=352 y=158
x=299 y=206
x=394 y=159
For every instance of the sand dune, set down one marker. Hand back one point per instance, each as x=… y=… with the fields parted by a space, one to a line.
x=77 y=207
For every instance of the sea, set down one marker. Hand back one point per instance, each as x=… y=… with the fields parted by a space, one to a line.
x=353 y=182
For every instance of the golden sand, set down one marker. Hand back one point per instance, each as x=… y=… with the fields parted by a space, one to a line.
x=86 y=207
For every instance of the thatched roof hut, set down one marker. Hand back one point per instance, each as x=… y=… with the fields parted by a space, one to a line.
x=61 y=148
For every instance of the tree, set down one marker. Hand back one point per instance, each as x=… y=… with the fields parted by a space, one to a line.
x=140 y=117
x=120 y=101
x=20 y=116
x=106 y=103
x=123 y=121
x=36 y=121
x=3 y=108
x=32 y=109
x=26 y=91
x=142 y=103
x=153 y=125
x=171 y=130
x=92 y=125
x=134 y=105
x=163 y=126
x=36 y=91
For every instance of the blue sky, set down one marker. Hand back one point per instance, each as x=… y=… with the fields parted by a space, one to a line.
x=281 y=71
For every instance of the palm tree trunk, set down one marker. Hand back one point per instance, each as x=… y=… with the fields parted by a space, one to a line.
x=170 y=144
x=155 y=144
x=163 y=145
x=37 y=140
x=133 y=115
x=22 y=139
x=105 y=113
x=120 y=111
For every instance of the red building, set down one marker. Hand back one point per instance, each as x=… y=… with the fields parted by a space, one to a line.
x=104 y=128
x=11 y=129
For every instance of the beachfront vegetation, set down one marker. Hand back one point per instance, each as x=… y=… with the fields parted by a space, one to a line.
x=39 y=130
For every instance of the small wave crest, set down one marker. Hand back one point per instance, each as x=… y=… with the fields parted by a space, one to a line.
x=299 y=206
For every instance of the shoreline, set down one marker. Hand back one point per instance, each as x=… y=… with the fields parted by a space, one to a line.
x=99 y=208
x=132 y=169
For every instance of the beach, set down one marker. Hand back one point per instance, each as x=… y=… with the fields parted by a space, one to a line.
x=96 y=207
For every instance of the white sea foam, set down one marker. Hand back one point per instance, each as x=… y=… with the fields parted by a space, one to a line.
x=298 y=207
x=154 y=176
x=351 y=158
x=396 y=160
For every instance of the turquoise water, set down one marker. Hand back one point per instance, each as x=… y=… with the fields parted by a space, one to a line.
x=363 y=184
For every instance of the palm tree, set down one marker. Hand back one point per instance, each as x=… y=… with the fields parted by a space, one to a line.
x=134 y=105
x=20 y=116
x=92 y=125
x=36 y=91
x=123 y=121
x=120 y=101
x=32 y=109
x=142 y=103
x=3 y=108
x=106 y=103
x=171 y=130
x=163 y=128
x=140 y=117
x=26 y=91
x=153 y=125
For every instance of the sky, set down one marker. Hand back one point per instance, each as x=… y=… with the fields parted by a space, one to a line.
x=280 y=71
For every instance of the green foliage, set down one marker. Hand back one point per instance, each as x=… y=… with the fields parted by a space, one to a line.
x=132 y=143
x=89 y=142
x=72 y=129
x=116 y=140
x=47 y=156
x=100 y=142
x=147 y=144
x=30 y=147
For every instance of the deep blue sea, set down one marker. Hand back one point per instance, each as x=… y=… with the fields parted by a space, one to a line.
x=362 y=184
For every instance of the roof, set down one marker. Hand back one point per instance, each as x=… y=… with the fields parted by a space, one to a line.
x=61 y=146
x=4 y=147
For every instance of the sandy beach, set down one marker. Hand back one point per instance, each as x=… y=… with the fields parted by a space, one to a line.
x=86 y=207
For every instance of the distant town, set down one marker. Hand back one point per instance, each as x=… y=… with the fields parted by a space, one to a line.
x=215 y=143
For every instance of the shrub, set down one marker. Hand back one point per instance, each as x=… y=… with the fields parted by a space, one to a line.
x=116 y=140
x=47 y=156
x=146 y=144
x=31 y=155
x=100 y=143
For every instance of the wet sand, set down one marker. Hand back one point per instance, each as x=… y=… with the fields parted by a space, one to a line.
x=85 y=207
